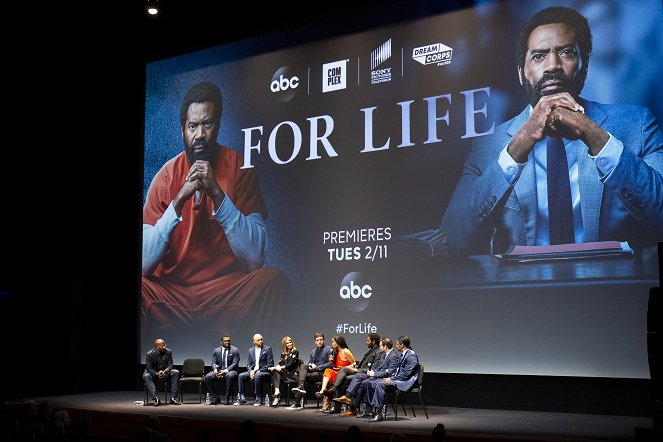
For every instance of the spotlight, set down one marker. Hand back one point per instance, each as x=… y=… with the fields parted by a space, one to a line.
x=152 y=8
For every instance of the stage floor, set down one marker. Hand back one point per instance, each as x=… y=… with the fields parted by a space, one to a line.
x=116 y=414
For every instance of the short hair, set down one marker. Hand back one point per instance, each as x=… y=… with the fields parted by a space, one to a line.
x=557 y=14
x=319 y=335
x=387 y=342
x=404 y=340
x=203 y=92
x=374 y=337
x=439 y=433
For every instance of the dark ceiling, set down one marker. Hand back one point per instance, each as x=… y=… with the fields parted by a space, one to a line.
x=185 y=25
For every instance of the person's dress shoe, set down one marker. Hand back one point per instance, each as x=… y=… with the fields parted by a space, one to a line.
x=364 y=415
x=343 y=399
x=174 y=402
x=276 y=400
x=157 y=402
x=348 y=413
x=377 y=418
x=226 y=401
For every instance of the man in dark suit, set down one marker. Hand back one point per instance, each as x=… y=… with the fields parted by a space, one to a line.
x=159 y=365
x=311 y=372
x=347 y=373
x=259 y=360
x=225 y=360
x=600 y=165
x=387 y=364
x=405 y=375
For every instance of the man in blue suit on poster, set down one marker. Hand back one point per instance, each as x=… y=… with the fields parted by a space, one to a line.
x=406 y=374
x=610 y=157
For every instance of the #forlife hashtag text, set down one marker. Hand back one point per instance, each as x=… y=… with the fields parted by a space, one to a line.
x=365 y=327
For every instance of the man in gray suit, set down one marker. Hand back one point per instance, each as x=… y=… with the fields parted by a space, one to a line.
x=611 y=157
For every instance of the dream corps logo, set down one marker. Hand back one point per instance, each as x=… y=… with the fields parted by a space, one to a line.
x=334 y=75
x=284 y=84
x=379 y=56
x=437 y=53
x=355 y=292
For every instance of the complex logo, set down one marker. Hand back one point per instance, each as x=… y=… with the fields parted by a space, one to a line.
x=355 y=292
x=334 y=75
x=379 y=56
x=284 y=83
x=437 y=53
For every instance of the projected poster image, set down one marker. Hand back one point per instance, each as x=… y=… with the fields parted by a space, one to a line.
x=398 y=181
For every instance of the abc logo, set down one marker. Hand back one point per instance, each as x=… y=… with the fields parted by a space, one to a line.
x=355 y=292
x=284 y=83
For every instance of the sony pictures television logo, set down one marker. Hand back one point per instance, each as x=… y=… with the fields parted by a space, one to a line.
x=435 y=53
x=334 y=75
x=284 y=83
x=379 y=72
x=355 y=292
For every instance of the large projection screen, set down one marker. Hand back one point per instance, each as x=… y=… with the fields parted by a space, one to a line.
x=358 y=142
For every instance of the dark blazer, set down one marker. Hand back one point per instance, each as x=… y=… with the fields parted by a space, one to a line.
x=233 y=358
x=387 y=364
x=266 y=359
x=625 y=205
x=402 y=378
x=369 y=359
x=155 y=362
x=407 y=372
x=321 y=358
x=290 y=361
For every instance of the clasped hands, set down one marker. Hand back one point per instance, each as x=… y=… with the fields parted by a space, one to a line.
x=557 y=115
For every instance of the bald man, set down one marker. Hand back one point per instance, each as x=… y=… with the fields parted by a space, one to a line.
x=260 y=358
x=159 y=365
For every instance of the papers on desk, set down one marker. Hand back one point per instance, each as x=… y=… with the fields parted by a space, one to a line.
x=427 y=243
x=421 y=245
x=566 y=251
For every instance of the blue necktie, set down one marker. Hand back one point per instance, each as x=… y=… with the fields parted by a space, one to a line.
x=560 y=212
x=224 y=360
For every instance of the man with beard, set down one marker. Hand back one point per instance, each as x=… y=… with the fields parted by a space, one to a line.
x=204 y=238
x=610 y=157
x=159 y=365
